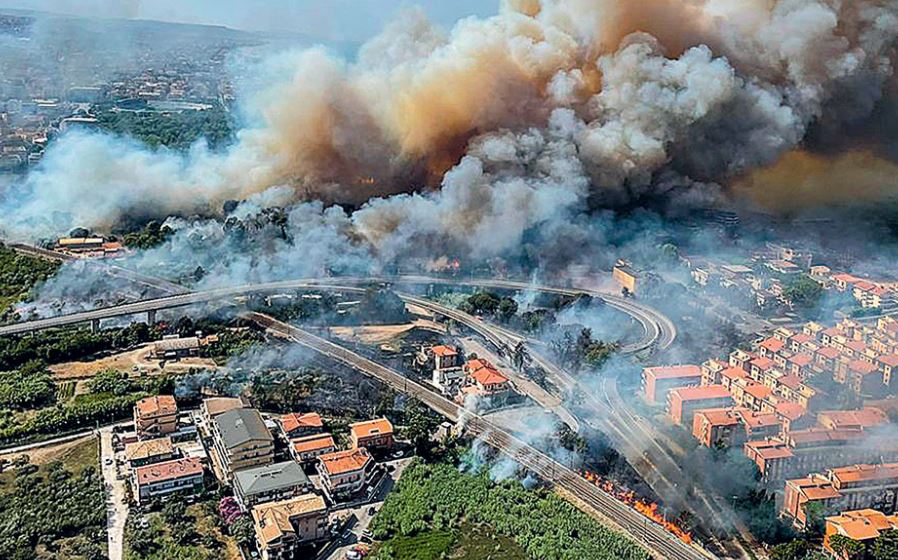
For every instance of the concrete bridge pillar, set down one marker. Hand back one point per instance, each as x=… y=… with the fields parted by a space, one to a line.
x=151 y=317
x=95 y=325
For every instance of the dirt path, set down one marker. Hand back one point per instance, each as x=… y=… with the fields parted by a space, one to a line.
x=133 y=361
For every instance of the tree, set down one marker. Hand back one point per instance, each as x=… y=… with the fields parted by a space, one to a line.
x=420 y=423
x=793 y=550
x=243 y=532
x=815 y=514
x=507 y=309
x=885 y=547
x=847 y=548
x=804 y=292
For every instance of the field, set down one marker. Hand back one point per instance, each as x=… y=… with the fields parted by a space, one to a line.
x=183 y=534
x=468 y=542
x=74 y=455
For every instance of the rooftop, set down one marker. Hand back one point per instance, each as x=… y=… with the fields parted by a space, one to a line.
x=240 y=426
x=772 y=344
x=273 y=520
x=864 y=418
x=700 y=393
x=341 y=462
x=260 y=480
x=488 y=376
x=674 y=372
x=168 y=470
x=371 y=428
x=295 y=421
x=864 y=473
x=149 y=448
x=719 y=416
x=862 y=524
x=763 y=363
x=160 y=405
x=218 y=405
x=443 y=350
x=313 y=443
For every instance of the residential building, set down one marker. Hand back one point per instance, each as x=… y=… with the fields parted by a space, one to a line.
x=241 y=440
x=863 y=419
x=282 y=526
x=484 y=380
x=863 y=525
x=447 y=367
x=301 y=425
x=307 y=449
x=214 y=406
x=372 y=434
x=346 y=473
x=175 y=347
x=716 y=427
x=181 y=476
x=147 y=452
x=155 y=416
x=658 y=381
x=269 y=483
x=682 y=403
x=873 y=486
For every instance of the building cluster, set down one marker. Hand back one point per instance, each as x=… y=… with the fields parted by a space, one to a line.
x=774 y=402
x=462 y=379
x=762 y=281
x=89 y=247
x=287 y=473
x=51 y=88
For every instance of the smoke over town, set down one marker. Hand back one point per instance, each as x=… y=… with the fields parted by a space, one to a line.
x=521 y=121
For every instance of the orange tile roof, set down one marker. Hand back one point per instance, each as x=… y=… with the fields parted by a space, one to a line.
x=368 y=428
x=758 y=420
x=891 y=360
x=734 y=373
x=443 y=350
x=828 y=352
x=763 y=363
x=313 y=443
x=791 y=381
x=821 y=492
x=818 y=436
x=862 y=367
x=856 y=345
x=674 y=372
x=773 y=344
x=833 y=331
x=477 y=363
x=719 y=416
x=861 y=473
x=274 y=520
x=847 y=278
x=168 y=470
x=156 y=406
x=341 y=462
x=862 y=524
x=700 y=393
x=801 y=338
x=790 y=410
x=866 y=417
x=295 y=421
x=489 y=376
x=802 y=359
x=759 y=391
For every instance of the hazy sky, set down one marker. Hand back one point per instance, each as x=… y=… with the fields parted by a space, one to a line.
x=333 y=19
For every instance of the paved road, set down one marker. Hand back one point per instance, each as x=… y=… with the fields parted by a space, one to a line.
x=654 y=537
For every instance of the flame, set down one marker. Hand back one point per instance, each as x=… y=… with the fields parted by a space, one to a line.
x=647 y=509
x=367 y=181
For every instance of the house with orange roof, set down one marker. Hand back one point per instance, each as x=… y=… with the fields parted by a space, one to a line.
x=800 y=364
x=861 y=486
x=374 y=434
x=863 y=419
x=161 y=480
x=799 y=342
x=281 y=527
x=345 y=474
x=683 y=402
x=484 y=380
x=770 y=347
x=862 y=526
x=295 y=425
x=740 y=359
x=658 y=381
x=307 y=449
x=759 y=367
x=711 y=370
x=448 y=371
x=155 y=416
x=716 y=427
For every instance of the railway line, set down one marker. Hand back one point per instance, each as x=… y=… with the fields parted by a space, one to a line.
x=654 y=537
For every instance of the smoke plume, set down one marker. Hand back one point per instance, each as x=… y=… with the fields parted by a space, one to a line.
x=521 y=121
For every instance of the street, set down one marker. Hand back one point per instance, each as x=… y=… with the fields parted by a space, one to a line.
x=116 y=502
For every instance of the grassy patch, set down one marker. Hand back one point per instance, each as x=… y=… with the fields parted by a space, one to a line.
x=74 y=459
x=153 y=537
x=480 y=542
x=429 y=545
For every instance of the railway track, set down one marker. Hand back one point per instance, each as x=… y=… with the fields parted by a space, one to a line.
x=652 y=536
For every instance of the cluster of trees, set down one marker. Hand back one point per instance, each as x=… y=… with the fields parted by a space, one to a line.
x=804 y=292
x=175 y=533
x=151 y=235
x=55 y=346
x=299 y=309
x=488 y=303
x=18 y=273
x=582 y=350
x=883 y=547
x=30 y=386
x=232 y=343
x=57 y=509
x=440 y=497
x=173 y=130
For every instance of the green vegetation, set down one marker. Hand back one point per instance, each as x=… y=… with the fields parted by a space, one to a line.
x=28 y=387
x=804 y=292
x=62 y=345
x=177 y=131
x=468 y=542
x=178 y=532
x=488 y=303
x=55 y=511
x=795 y=550
x=581 y=351
x=18 y=274
x=232 y=343
x=440 y=498
x=150 y=236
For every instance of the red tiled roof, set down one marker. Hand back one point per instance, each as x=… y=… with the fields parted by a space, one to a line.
x=858 y=473
x=801 y=359
x=341 y=462
x=700 y=393
x=295 y=421
x=169 y=470
x=828 y=352
x=370 y=428
x=719 y=416
x=758 y=391
x=791 y=381
x=856 y=345
x=790 y=410
x=862 y=367
x=801 y=338
x=488 y=376
x=890 y=360
x=773 y=344
x=313 y=443
x=443 y=351
x=763 y=363
x=156 y=406
x=734 y=373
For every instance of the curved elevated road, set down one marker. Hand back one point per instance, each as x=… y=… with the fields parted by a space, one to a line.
x=654 y=537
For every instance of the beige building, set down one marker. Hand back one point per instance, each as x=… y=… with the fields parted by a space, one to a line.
x=345 y=473
x=241 y=440
x=155 y=416
x=282 y=526
x=150 y=451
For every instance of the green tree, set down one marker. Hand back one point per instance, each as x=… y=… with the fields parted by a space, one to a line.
x=849 y=549
x=243 y=532
x=804 y=291
x=420 y=423
x=885 y=547
x=793 y=550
